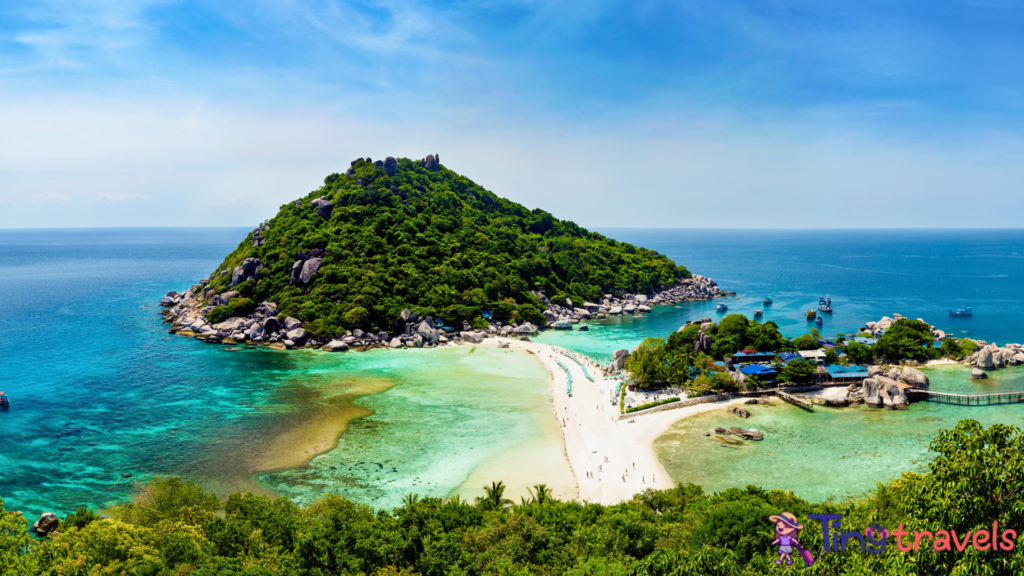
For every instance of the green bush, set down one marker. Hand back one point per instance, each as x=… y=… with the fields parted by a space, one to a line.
x=479 y=323
x=80 y=518
x=237 y=307
x=797 y=371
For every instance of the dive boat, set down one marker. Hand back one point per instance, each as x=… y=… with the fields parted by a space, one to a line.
x=767 y=301
x=4 y=401
x=722 y=307
x=825 y=304
x=963 y=311
x=758 y=313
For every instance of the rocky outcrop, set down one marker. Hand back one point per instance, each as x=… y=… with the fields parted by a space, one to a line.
x=432 y=162
x=248 y=270
x=336 y=346
x=427 y=331
x=323 y=207
x=47 y=524
x=306 y=266
x=526 y=329
x=978 y=374
x=390 y=166
x=472 y=337
x=915 y=378
x=703 y=343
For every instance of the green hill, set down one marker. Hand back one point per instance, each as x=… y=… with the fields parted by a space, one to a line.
x=412 y=234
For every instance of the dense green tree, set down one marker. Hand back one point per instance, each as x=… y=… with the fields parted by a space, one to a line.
x=974 y=485
x=797 y=371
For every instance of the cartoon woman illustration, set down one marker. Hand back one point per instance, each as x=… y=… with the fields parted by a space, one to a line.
x=786 y=531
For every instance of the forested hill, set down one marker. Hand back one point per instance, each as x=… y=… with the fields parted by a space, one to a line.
x=397 y=234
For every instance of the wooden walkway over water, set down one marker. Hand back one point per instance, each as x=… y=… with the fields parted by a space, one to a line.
x=797 y=401
x=992 y=399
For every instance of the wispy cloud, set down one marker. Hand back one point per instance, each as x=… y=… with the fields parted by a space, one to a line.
x=51 y=198
x=119 y=198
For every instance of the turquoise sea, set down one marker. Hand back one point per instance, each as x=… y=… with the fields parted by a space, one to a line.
x=100 y=390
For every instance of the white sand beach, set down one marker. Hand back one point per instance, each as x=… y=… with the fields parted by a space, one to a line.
x=611 y=459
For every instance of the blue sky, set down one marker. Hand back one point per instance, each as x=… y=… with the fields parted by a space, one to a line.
x=666 y=114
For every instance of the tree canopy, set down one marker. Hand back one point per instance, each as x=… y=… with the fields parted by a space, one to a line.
x=177 y=528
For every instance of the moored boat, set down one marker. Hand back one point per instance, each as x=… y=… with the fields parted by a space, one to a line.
x=4 y=401
x=819 y=321
x=962 y=311
x=758 y=313
x=722 y=307
x=825 y=304
x=767 y=301
x=812 y=314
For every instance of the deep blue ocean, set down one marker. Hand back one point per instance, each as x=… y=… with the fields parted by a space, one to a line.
x=100 y=390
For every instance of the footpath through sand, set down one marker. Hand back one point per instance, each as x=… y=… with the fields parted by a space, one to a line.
x=612 y=459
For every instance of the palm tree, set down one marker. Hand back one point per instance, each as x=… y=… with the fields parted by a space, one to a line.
x=410 y=500
x=494 y=495
x=540 y=493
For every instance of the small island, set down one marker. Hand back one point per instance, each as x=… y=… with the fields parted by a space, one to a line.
x=400 y=253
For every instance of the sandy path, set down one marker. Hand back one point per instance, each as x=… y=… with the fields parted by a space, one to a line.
x=592 y=431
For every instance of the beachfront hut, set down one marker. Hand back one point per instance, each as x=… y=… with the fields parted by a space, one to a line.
x=816 y=356
x=852 y=373
x=757 y=370
x=747 y=357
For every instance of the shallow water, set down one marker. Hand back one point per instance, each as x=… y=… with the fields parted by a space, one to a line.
x=453 y=414
x=832 y=452
x=99 y=389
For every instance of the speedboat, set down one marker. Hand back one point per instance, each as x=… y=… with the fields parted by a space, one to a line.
x=758 y=313
x=4 y=401
x=722 y=307
x=767 y=301
x=963 y=311
x=825 y=304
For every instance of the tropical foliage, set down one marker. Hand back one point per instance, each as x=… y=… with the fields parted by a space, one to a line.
x=676 y=360
x=434 y=242
x=176 y=528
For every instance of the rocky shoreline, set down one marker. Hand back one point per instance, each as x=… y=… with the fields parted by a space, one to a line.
x=187 y=313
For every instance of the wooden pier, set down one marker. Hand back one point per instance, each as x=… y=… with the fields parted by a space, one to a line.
x=993 y=399
x=797 y=401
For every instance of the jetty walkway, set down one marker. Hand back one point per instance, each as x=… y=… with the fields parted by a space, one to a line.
x=995 y=398
x=798 y=401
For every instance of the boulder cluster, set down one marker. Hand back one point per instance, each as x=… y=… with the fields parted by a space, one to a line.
x=991 y=357
x=562 y=317
x=187 y=314
x=306 y=265
x=874 y=328
x=882 y=389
